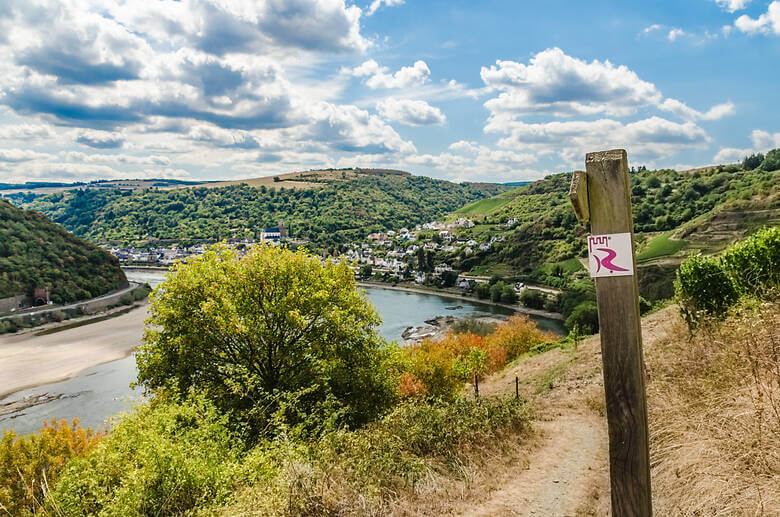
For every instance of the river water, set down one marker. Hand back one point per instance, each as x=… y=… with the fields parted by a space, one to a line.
x=99 y=392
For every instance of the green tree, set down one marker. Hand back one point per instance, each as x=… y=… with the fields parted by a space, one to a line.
x=272 y=339
x=482 y=290
x=752 y=161
x=772 y=161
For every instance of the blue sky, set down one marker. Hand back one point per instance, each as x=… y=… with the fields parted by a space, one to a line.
x=461 y=90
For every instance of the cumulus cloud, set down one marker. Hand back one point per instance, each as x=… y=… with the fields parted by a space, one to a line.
x=410 y=112
x=20 y=155
x=763 y=141
x=379 y=76
x=647 y=139
x=349 y=128
x=554 y=83
x=683 y=111
x=767 y=23
x=222 y=137
x=25 y=132
x=101 y=139
x=376 y=4
x=732 y=5
x=117 y=159
x=558 y=84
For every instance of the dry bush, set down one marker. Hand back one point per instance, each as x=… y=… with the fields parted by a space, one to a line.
x=714 y=401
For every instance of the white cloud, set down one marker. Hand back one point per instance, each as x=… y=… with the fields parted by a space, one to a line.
x=652 y=28
x=470 y=161
x=764 y=140
x=379 y=77
x=683 y=111
x=410 y=112
x=20 y=155
x=730 y=155
x=767 y=23
x=558 y=84
x=25 y=132
x=348 y=128
x=116 y=159
x=647 y=139
x=100 y=139
x=376 y=4
x=732 y=5
x=676 y=33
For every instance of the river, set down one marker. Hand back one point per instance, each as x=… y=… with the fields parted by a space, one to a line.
x=99 y=392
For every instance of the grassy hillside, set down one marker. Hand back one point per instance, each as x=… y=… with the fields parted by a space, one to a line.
x=34 y=252
x=342 y=206
x=675 y=214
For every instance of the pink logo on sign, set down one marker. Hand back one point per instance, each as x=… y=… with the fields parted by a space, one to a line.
x=609 y=254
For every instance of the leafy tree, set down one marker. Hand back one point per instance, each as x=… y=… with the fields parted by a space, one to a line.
x=753 y=161
x=274 y=339
x=496 y=290
x=449 y=278
x=772 y=161
x=508 y=295
x=365 y=270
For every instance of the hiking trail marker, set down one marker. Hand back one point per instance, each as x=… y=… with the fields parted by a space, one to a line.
x=601 y=195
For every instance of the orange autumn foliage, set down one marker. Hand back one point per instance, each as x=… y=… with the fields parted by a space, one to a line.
x=29 y=464
x=439 y=367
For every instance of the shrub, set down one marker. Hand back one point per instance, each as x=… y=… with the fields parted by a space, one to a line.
x=29 y=463
x=703 y=288
x=753 y=264
x=141 y=292
x=163 y=459
x=532 y=298
x=126 y=299
x=57 y=316
x=482 y=290
x=508 y=295
x=473 y=326
x=516 y=336
x=585 y=317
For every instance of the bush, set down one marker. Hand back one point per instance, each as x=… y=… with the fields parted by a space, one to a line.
x=57 y=316
x=30 y=463
x=141 y=292
x=517 y=335
x=473 y=326
x=163 y=459
x=482 y=290
x=703 y=288
x=753 y=264
x=508 y=295
x=532 y=298
x=585 y=317
x=126 y=299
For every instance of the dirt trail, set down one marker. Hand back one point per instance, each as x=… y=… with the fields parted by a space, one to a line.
x=568 y=473
x=563 y=475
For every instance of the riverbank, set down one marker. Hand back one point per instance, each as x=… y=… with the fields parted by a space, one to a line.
x=31 y=359
x=447 y=294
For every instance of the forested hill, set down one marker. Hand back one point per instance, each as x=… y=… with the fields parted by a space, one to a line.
x=327 y=213
x=34 y=252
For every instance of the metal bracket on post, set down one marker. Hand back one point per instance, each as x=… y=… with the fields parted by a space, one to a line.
x=601 y=195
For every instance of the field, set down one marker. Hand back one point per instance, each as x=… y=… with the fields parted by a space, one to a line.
x=485 y=206
x=661 y=246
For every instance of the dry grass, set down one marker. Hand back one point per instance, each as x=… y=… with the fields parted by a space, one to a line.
x=714 y=403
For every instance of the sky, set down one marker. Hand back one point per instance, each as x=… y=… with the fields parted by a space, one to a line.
x=459 y=90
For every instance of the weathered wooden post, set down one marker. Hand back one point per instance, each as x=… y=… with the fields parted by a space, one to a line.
x=601 y=195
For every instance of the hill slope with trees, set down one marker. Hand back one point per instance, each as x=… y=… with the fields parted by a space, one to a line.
x=330 y=213
x=34 y=252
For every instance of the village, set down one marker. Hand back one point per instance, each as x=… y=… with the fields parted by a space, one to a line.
x=415 y=255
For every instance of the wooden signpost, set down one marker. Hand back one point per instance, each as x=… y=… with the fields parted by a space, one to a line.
x=601 y=195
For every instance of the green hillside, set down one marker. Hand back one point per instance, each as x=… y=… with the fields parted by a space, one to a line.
x=675 y=214
x=340 y=209
x=34 y=252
